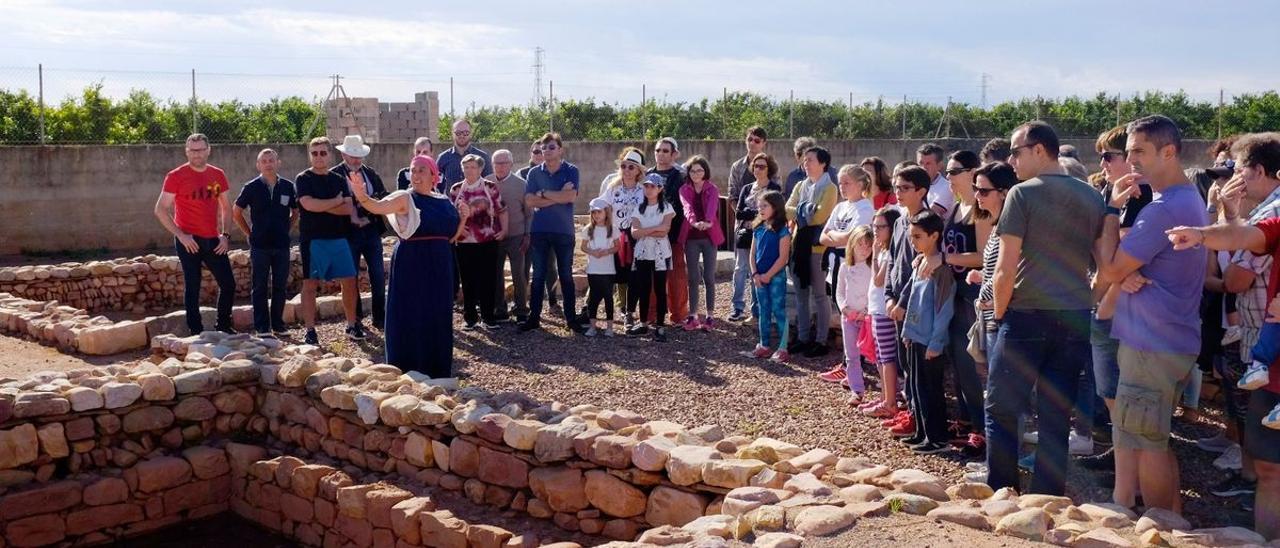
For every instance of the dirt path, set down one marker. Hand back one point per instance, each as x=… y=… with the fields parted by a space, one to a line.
x=21 y=357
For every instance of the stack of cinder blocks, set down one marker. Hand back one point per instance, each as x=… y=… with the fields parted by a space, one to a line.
x=384 y=122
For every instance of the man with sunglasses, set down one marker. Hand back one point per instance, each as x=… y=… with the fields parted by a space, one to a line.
x=450 y=161
x=535 y=158
x=740 y=170
x=665 y=153
x=1042 y=299
x=193 y=206
x=552 y=188
x=323 y=227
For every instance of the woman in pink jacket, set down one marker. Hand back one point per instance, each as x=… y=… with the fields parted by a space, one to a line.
x=700 y=236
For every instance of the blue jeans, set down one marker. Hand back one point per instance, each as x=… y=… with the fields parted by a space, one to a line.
x=1106 y=368
x=772 y=300
x=368 y=244
x=543 y=245
x=741 y=277
x=220 y=267
x=1268 y=346
x=1040 y=350
x=813 y=305
x=270 y=277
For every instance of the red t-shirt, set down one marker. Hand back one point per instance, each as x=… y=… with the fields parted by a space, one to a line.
x=880 y=199
x=1271 y=229
x=196 y=193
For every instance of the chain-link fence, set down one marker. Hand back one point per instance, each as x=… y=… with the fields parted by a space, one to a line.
x=65 y=106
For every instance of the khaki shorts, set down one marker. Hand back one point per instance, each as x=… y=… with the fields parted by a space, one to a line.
x=1150 y=385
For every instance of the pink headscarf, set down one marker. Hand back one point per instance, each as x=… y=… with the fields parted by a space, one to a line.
x=424 y=160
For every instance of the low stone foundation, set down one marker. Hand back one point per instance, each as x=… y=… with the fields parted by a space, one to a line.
x=331 y=451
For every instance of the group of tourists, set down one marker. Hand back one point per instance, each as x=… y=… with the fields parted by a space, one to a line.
x=1046 y=295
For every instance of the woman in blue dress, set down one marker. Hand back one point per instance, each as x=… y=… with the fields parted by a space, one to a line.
x=419 y=326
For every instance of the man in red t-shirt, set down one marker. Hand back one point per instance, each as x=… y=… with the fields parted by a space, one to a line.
x=1260 y=442
x=193 y=206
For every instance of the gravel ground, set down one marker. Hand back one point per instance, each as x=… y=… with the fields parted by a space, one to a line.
x=700 y=378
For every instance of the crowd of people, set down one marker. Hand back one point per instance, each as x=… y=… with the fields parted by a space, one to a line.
x=1045 y=295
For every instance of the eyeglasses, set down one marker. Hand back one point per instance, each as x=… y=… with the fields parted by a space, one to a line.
x=760 y=166
x=1108 y=155
x=1013 y=151
x=957 y=171
x=904 y=188
x=320 y=153
x=983 y=191
x=462 y=133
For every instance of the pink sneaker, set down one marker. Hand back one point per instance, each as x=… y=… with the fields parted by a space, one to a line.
x=760 y=351
x=707 y=324
x=781 y=356
x=691 y=323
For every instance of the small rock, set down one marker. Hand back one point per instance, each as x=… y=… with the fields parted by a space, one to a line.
x=819 y=521
x=963 y=515
x=778 y=540
x=910 y=504
x=972 y=491
x=1030 y=524
x=1161 y=520
x=1101 y=537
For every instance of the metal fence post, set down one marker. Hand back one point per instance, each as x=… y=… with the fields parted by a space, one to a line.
x=40 y=71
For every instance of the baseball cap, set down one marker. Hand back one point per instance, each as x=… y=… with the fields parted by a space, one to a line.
x=654 y=179
x=598 y=204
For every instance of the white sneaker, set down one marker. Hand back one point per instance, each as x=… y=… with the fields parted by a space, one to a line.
x=1232 y=335
x=1255 y=377
x=1272 y=419
x=1079 y=445
x=1032 y=437
x=975 y=477
x=1230 y=459
x=975 y=466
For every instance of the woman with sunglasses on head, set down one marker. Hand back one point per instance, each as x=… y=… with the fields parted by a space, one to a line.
x=419 y=329
x=624 y=193
x=967 y=225
x=764 y=171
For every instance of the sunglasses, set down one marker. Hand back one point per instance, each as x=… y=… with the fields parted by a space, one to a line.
x=904 y=188
x=462 y=133
x=983 y=191
x=630 y=167
x=956 y=171
x=879 y=226
x=1109 y=155
x=549 y=147
x=1015 y=151
x=662 y=150
x=1229 y=164
x=320 y=153
x=755 y=139
x=760 y=166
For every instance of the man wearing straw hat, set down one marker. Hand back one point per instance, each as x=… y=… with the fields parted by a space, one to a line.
x=365 y=237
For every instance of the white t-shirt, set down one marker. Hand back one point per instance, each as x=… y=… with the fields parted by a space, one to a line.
x=940 y=194
x=653 y=248
x=847 y=216
x=598 y=240
x=624 y=201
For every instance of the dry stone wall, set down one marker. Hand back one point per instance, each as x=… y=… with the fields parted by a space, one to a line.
x=138 y=284
x=331 y=451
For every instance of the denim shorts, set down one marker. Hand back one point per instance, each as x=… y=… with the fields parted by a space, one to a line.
x=1106 y=369
x=328 y=259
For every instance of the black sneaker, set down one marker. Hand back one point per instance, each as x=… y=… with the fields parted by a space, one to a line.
x=528 y=326
x=355 y=332
x=522 y=319
x=311 y=337
x=1104 y=461
x=469 y=326
x=797 y=348
x=280 y=333
x=1234 y=486
x=577 y=327
x=638 y=329
x=737 y=316
x=930 y=448
x=660 y=335
x=491 y=325
x=228 y=330
x=816 y=350
x=914 y=439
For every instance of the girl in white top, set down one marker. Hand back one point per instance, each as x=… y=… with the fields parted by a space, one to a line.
x=623 y=192
x=854 y=211
x=851 y=297
x=599 y=243
x=649 y=227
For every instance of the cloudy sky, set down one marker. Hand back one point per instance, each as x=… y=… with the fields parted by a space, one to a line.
x=677 y=50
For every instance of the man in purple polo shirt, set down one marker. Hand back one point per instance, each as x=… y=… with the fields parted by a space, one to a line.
x=1158 y=326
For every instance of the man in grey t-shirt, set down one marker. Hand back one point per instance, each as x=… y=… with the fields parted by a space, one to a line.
x=1042 y=299
x=516 y=242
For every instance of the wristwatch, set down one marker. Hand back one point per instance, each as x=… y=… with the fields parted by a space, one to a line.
x=226 y=235
x=542 y=194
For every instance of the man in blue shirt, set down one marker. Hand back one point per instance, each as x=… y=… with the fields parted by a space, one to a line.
x=1159 y=325
x=552 y=189
x=450 y=161
x=273 y=208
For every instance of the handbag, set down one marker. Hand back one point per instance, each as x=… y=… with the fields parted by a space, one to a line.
x=978 y=339
x=743 y=239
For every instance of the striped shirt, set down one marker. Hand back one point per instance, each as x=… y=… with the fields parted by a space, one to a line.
x=990 y=255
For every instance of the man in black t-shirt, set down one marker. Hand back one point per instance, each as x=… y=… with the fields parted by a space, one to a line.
x=322 y=238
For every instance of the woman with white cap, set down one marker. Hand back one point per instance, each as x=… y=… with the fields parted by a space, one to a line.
x=623 y=193
x=419 y=328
